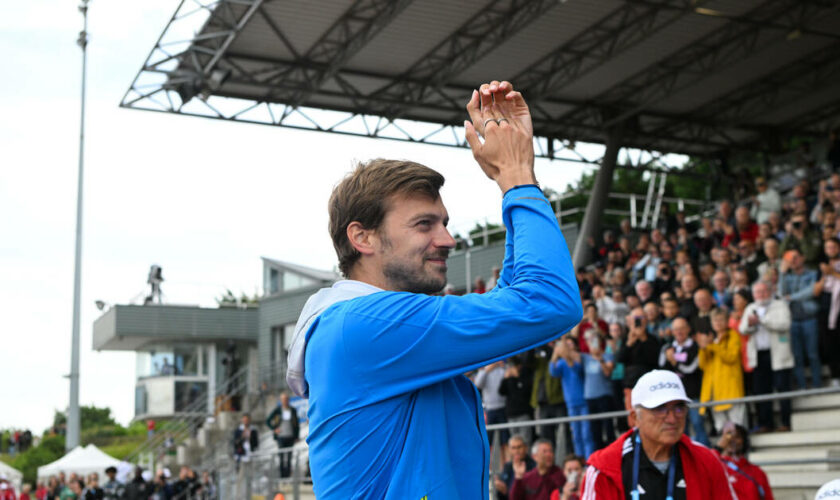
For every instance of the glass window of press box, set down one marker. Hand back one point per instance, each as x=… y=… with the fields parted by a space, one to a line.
x=171 y=360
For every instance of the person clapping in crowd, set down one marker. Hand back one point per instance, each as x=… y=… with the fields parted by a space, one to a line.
x=567 y=366
x=520 y=462
x=681 y=357
x=720 y=360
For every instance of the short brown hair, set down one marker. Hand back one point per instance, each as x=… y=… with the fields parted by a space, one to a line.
x=363 y=194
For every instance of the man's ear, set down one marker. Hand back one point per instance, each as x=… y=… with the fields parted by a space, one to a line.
x=363 y=240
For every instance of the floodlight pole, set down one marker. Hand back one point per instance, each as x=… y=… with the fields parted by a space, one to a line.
x=73 y=414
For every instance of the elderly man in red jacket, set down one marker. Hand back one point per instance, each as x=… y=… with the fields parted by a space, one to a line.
x=656 y=459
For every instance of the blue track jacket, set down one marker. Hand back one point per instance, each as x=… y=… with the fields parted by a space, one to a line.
x=391 y=415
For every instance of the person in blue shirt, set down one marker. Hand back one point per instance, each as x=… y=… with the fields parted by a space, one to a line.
x=567 y=366
x=382 y=360
x=597 y=388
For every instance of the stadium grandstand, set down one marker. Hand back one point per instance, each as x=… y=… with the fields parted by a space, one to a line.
x=606 y=80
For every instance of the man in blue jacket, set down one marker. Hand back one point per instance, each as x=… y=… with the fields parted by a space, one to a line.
x=381 y=360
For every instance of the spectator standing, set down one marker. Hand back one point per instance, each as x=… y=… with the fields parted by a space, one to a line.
x=770 y=247
x=520 y=463
x=611 y=309
x=516 y=388
x=92 y=489
x=720 y=360
x=654 y=319
x=488 y=380
x=749 y=259
x=246 y=440
x=830 y=298
x=283 y=421
x=688 y=285
x=747 y=228
x=542 y=480
x=767 y=321
x=721 y=294
x=546 y=391
x=137 y=488
x=639 y=354
x=590 y=321
x=656 y=458
x=495 y=272
x=700 y=321
x=803 y=238
x=597 y=387
x=615 y=341
x=479 y=286
x=748 y=480
x=681 y=357
x=567 y=366
x=25 y=492
x=112 y=489
x=765 y=202
x=799 y=291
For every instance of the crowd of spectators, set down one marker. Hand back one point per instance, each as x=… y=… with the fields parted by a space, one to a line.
x=742 y=299
x=143 y=486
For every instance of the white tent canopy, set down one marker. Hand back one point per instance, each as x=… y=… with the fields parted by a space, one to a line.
x=14 y=476
x=80 y=460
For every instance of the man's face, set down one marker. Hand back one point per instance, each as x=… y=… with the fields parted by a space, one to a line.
x=771 y=248
x=651 y=311
x=760 y=292
x=721 y=281
x=702 y=300
x=284 y=399
x=664 y=424
x=680 y=329
x=414 y=244
x=518 y=449
x=246 y=420
x=544 y=455
x=572 y=468
x=671 y=309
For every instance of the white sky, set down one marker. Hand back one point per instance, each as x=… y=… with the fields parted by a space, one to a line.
x=202 y=198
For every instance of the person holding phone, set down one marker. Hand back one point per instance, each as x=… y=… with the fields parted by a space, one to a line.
x=639 y=354
x=573 y=466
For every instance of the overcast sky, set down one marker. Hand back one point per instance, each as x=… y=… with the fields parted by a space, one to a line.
x=202 y=198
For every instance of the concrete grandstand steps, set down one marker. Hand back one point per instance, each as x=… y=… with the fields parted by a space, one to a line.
x=825 y=401
x=798 y=453
x=796 y=438
x=791 y=482
x=816 y=419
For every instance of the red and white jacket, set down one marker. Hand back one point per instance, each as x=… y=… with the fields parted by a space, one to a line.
x=705 y=476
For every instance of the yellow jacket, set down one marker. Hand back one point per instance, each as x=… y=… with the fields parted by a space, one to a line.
x=723 y=376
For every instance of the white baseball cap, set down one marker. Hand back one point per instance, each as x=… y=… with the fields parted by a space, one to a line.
x=830 y=489
x=657 y=387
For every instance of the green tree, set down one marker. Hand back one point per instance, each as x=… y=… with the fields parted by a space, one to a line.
x=91 y=416
x=50 y=450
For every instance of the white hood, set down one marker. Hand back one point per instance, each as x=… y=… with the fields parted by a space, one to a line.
x=318 y=303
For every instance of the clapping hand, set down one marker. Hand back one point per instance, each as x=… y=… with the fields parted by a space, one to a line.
x=500 y=115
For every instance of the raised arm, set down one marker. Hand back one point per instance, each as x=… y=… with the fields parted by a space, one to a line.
x=405 y=340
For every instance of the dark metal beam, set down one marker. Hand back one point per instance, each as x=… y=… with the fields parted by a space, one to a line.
x=616 y=32
x=494 y=23
x=724 y=46
x=344 y=39
x=794 y=81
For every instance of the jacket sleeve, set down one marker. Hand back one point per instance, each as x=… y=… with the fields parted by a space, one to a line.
x=718 y=481
x=745 y=327
x=595 y=486
x=804 y=293
x=778 y=317
x=704 y=357
x=270 y=418
x=517 y=490
x=400 y=341
x=730 y=351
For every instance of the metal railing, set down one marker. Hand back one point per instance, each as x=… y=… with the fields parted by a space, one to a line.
x=190 y=419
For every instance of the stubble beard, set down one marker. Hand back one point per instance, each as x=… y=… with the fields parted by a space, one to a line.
x=405 y=277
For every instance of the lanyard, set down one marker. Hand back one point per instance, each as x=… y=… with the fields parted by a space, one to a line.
x=671 y=470
x=732 y=465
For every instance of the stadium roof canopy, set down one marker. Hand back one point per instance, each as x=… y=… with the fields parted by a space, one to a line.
x=684 y=76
